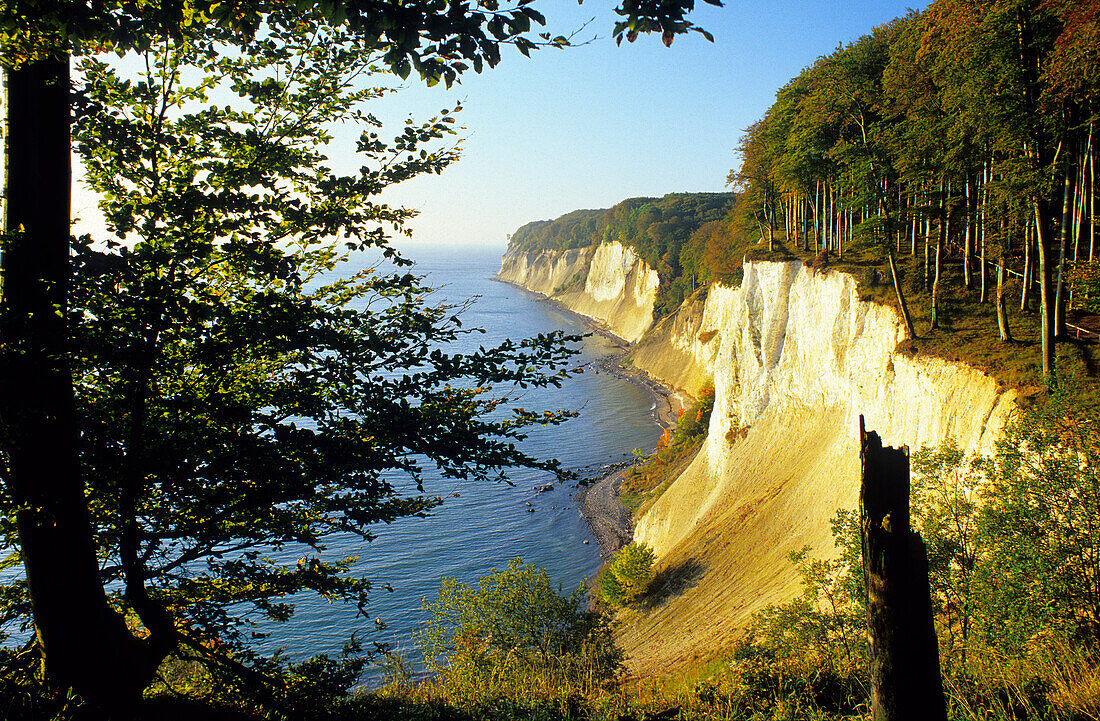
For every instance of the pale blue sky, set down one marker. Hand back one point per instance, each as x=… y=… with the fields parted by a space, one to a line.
x=586 y=127
x=589 y=126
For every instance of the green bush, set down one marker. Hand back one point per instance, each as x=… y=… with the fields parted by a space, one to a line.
x=515 y=623
x=626 y=576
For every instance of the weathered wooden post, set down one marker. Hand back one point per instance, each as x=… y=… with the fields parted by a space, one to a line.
x=905 y=663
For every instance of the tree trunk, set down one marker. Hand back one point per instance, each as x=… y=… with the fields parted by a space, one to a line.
x=913 y=229
x=1046 y=297
x=805 y=211
x=819 y=208
x=940 y=237
x=966 y=237
x=981 y=232
x=1002 y=312
x=1038 y=155
x=85 y=642
x=927 y=223
x=1063 y=235
x=1029 y=266
x=769 y=223
x=905 y=666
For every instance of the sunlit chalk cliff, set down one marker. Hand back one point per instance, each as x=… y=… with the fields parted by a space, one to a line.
x=609 y=284
x=796 y=358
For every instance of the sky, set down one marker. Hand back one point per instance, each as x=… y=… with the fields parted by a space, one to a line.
x=589 y=126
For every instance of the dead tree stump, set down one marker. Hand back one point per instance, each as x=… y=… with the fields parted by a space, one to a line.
x=905 y=663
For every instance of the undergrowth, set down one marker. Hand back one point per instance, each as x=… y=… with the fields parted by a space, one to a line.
x=644 y=483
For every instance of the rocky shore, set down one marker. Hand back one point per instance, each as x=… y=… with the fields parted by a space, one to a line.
x=598 y=502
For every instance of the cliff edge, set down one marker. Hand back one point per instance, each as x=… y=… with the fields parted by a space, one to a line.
x=607 y=283
x=796 y=358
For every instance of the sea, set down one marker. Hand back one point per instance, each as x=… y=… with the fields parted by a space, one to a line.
x=482 y=526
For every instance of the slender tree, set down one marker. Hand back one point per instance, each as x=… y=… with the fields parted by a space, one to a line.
x=37 y=420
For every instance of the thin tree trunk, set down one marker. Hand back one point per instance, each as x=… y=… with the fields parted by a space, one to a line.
x=940 y=239
x=1037 y=153
x=902 y=305
x=1046 y=297
x=966 y=237
x=913 y=229
x=1002 y=312
x=927 y=258
x=908 y=320
x=1063 y=233
x=986 y=177
x=1029 y=264
x=841 y=230
x=806 y=222
x=819 y=204
x=85 y=643
x=1079 y=191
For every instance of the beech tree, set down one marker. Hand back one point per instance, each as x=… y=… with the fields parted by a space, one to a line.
x=231 y=402
x=970 y=125
x=45 y=490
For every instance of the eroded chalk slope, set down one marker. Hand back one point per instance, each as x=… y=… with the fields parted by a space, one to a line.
x=796 y=358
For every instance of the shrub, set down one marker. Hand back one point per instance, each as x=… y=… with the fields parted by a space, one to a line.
x=646 y=481
x=827 y=623
x=693 y=422
x=516 y=622
x=627 y=575
x=1040 y=520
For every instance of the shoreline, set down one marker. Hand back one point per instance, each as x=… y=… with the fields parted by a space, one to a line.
x=606 y=517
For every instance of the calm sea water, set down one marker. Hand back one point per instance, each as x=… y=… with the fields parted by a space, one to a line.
x=487 y=524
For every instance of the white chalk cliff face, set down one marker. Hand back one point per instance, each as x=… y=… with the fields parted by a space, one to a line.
x=796 y=358
x=609 y=284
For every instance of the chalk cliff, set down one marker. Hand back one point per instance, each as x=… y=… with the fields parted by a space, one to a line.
x=795 y=358
x=607 y=283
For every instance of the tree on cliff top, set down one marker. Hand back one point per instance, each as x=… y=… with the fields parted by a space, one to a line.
x=45 y=488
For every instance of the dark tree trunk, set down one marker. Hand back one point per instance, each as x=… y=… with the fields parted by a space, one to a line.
x=905 y=667
x=1002 y=311
x=85 y=642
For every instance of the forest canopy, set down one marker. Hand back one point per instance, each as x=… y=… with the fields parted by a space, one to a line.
x=670 y=234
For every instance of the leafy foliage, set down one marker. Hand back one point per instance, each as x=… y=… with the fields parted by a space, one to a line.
x=1011 y=546
x=662 y=231
x=626 y=576
x=961 y=134
x=516 y=619
x=439 y=44
x=642 y=483
x=238 y=398
x=826 y=624
x=36 y=40
x=1041 y=523
x=945 y=500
